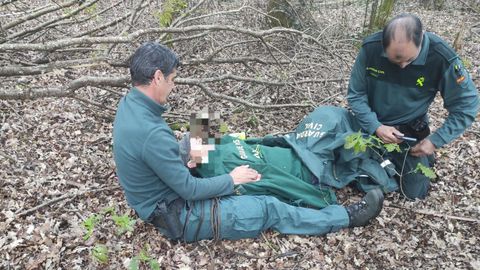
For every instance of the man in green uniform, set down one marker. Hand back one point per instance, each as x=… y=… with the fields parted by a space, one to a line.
x=394 y=80
x=163 y=192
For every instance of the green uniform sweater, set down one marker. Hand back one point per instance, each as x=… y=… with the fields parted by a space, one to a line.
x=283 y=173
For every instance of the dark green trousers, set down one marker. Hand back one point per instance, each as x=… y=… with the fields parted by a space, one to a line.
x=412 y=185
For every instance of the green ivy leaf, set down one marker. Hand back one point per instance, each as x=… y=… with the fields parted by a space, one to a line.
x=100 y=253
x=89 y=225
x=124 y=223
x=357 y=142
x=154 y=265
x=392 y=147
x=134 y=264
x=143 y=256
x=427 y=171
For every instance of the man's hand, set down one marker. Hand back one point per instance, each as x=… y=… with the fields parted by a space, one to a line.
x=388 y=134
x=423 y=148
x=243 y=174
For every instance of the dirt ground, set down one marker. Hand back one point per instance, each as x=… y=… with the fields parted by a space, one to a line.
x=56 y=171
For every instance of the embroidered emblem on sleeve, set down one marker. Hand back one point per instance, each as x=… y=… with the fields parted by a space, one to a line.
x=459 y=73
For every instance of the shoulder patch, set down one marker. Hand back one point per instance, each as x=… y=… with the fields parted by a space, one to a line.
x=460 y=73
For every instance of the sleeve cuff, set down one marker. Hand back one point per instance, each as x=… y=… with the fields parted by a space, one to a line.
x=373 y=127
x=437 y=140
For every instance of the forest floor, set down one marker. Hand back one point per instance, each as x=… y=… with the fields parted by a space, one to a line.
x=57 y=171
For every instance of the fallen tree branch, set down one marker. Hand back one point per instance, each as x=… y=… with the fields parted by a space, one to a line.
x=7 y=71
x=210 y=93
x=253 y=80
x=87 y=18
x=431 y=213
x=122 y=81
x=69 y=91
x=56 y=19
x=470 y=7
x=103 y=26
x=61 y=198
x=38 y=14
x=133 y=17
x=62 y=43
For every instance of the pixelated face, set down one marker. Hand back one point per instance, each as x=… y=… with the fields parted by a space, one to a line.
x=199 y=151
x=202 y=136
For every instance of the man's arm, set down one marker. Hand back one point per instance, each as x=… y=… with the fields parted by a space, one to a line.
x=461 y=101
x=357 y=95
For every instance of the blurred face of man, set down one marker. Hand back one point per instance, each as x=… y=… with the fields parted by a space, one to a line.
x=402 y=51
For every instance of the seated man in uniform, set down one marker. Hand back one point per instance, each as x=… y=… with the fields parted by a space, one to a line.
x=183 y=207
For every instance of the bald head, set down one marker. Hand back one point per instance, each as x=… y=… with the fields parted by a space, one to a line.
x=402 y=37
x=406 y=27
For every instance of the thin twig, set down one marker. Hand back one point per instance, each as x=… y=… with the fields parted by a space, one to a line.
x=61 y=198
x=431 y=213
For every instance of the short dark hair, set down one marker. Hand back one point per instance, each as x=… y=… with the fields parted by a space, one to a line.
x=412 y=25
x=149 y=58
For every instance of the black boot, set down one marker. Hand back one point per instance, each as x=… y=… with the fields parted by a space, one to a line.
x=369 y=207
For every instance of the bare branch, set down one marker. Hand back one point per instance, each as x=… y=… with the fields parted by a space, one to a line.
x=178 y=21
x=38 y=14
x=210 y=93
x=54 y=45
x=56 y=19
x=24 y=93
x=97 y=14
x=71 y=195
x=252 y=80
x=32 y=70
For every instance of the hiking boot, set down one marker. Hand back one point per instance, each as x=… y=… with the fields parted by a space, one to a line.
x=360 y=213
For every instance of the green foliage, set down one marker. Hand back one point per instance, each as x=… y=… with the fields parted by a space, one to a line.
x=223 y=128
x=170 y=9
x=89 y=225
x=357 y=142
x=427 y=171
x=390 y=147
x=143 y=257
x=379 y=14
x=100 y=253
x=466 y=63
x=252 y=121
x=124 y=223
x=108 y=210
x=179 y=126
x=360 y=143
x=91 y=9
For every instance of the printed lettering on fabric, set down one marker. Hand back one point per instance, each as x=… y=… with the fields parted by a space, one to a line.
x=241 y=150
x=375 y=72
x=312 y=130
x=256 y=152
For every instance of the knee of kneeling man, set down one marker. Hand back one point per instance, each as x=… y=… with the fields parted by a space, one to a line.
x=419 y=192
